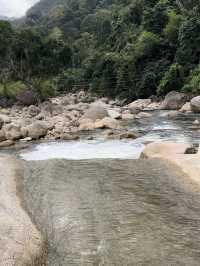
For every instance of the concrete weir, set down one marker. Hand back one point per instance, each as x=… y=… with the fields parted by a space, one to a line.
x=21 y=243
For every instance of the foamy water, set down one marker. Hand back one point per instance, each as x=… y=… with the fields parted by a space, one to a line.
x=85 y=150
x=156 y=128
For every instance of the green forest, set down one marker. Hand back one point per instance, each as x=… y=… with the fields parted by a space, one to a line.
x=115 y=48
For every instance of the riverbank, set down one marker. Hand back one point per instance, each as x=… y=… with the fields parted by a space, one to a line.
x=69 y=116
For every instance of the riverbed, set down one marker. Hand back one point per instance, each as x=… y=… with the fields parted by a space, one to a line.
x=96 y=203
x=156 y=128
x=114 y=212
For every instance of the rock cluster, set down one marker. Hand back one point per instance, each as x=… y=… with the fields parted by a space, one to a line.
x=64 y=117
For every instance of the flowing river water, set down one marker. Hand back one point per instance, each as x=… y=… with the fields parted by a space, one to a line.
x=100 y=207
x=114 y=212
x=156 y=128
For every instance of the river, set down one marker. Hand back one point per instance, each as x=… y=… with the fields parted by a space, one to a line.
x=96 y=205
x=114 y=212
x=156 y=128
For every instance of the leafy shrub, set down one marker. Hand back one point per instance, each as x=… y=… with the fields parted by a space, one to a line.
x=155 y=18
x=12 y=89
x=172 y=80
x=70 y=79
x=145 y=44
x=193 y=84
x=44 y=88
x=171 y=30
x=188 y=52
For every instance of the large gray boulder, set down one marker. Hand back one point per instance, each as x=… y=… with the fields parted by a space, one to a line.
x=5 y=118
x=139 y=104
x=96 y=111
x=174 y=101
x=36 y=130
x=107 y=122
x=27 y=97
x=186 y=108
x=12 y=131
x=6 y=143
x=195 y=104
x=33 y=110
x=114 y=114
x=86 y=124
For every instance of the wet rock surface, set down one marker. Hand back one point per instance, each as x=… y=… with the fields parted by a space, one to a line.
x=114 y=212
x=20 y=242
x=174 y=101
x=75 y=113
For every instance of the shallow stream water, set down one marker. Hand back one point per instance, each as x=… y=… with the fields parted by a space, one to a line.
x=156 y=128
x=114 y=212
x=99 y=207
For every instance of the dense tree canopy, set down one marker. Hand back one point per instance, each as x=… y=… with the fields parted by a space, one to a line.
x=124 y=48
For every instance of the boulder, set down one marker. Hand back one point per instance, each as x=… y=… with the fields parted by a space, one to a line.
x=57 y=109
x=6 y=102
x=5 y=118
x=170 y=114
x=36 y=130
x=12 y=131
x=143 y=115
x=127 y=111
x=114 y=114
x=175 y=154
x=195 y=104
x=128 y=135
x=174 y=101
x=164 y=149
x=67 y=136
x=193 y=149
x=127 y=116
x=173 y=114
x=33 y=110
x=107 y=122
x=186 y=108
x=86 y=124
x=27 y=139
x=96 y=111
x=139 y=104
x=196 y=122
x=152 y=106
x=27 y=97
x=6 y=143
x=40 y=116
x=47 y=107
x=2 y=136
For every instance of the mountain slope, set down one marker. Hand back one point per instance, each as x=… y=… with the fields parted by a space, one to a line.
x=125 y=48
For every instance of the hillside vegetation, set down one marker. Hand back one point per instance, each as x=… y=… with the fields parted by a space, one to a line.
x=124 y=48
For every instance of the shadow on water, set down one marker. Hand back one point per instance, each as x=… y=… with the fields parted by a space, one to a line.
x=114 y=212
